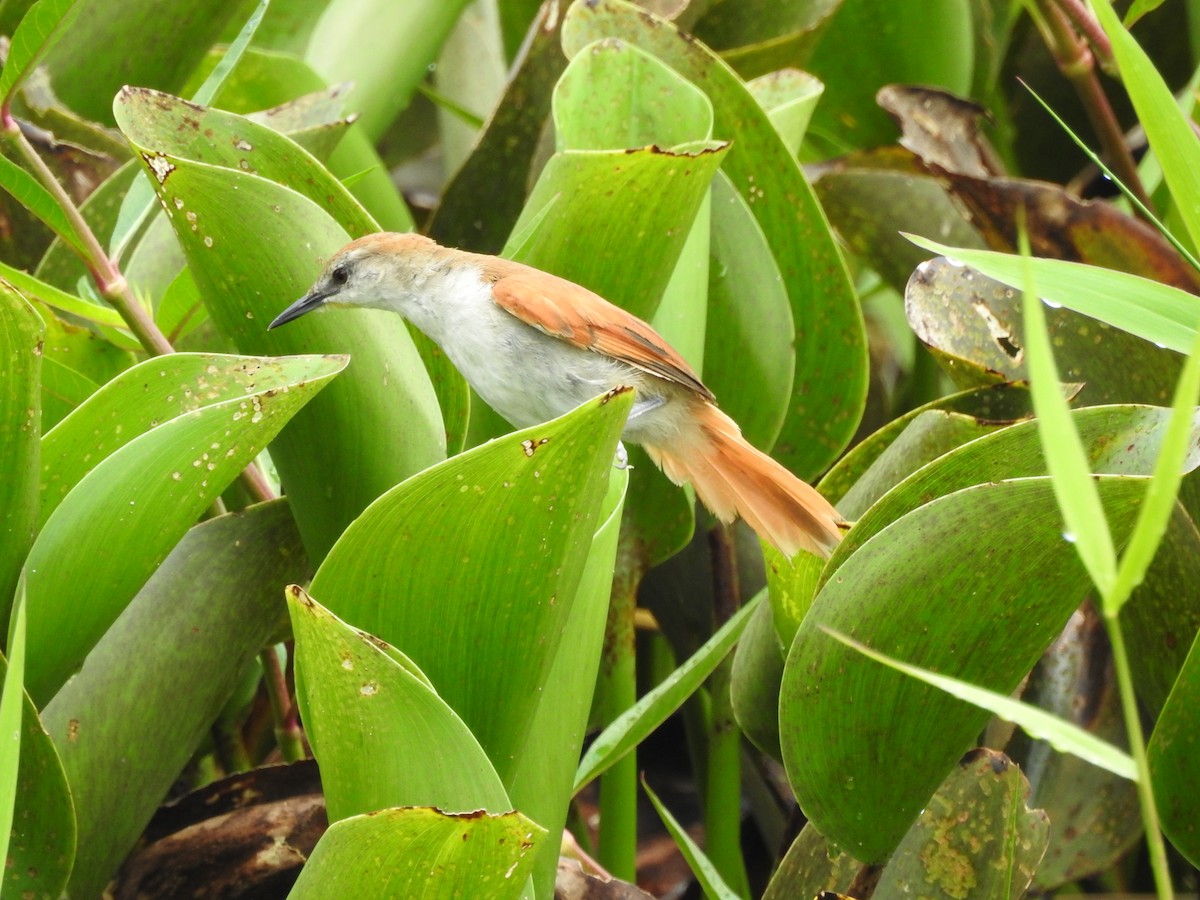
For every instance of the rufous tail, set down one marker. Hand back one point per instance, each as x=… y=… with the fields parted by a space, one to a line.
x=734 y=479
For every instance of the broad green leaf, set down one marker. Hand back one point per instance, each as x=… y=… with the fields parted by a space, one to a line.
x=372 y=721
x=636 y=724
x=499 y=168
x=1118 y=440
x=789 y=96
x=148 y=493
x=754 y=682
x=1167 y=129
x=28 y=192
x=476 y=563
x=168 y=48
x=934 y=48
x=140 y=399
x=386 y=392
x=1000 y=403
x=42 y=25
x=21 y=340
x=382 y=47
x=1094 y=815
x=927 y=435
x=871 y=203
x=1155 y=312
x=541 y=785
x=977 y=838
x=12 y=699
x=929 y=590
x=827 y=398
x=122 y=732
x=37 y=822
x=1063 y=449
x=422 y=854
x=139 y=202
x=706 y=873
x=651 y=194
x=1058 y=733
x=810 y=866
x=162 y=127
x=1174 y=764
x=973 y=325
x=1164 y=487
x=749 y=352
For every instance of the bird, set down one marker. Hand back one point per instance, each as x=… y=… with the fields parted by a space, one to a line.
x=534 y=346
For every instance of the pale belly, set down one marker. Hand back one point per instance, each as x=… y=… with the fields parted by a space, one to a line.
x=529 y=377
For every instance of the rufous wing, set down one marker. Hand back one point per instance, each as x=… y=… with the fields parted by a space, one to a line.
x=566 y=310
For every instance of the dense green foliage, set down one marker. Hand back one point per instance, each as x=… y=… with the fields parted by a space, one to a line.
x=224 y=546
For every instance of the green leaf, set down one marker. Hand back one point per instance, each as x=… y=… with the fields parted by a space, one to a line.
x=21 y=340
x=60 y=300
x=422 y=854
x=139 y=201
x=1066 y=459
x=1174 y=764
x=828 y=393
x=511 y=519
x=39 y=29
x=1119 y=440
x=1167 y=129
x=541 y=784
x=386 y=391
x=749 y=349
x=142 y=398
x=754 y=682
x=789 y=96
x=12 y=697
x=119 y=725
x=372 y=718
x=1058 y=733
x=168 y=49
x=976 y=838
x=148 y=493
x=37 y=823
x=934 y=48
x=636 y=724
x=385 y=70
x=706 y=873
x=1155 y=312
x=1163 y=490
x=928 y=590
x=27 y=191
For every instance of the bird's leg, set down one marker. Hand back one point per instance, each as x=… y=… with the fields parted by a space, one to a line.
x=621 y=457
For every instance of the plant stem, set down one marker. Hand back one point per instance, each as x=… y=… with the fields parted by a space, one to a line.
x=1075 y=60
x=617 y=689
x=1082 y=18
x=723 y=769
x=112 y=284
x=1137 y=746
x=287 y=725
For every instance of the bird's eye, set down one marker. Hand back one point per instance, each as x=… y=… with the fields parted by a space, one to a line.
x=340 y=275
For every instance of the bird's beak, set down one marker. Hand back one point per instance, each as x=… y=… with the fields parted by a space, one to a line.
x=305 y=304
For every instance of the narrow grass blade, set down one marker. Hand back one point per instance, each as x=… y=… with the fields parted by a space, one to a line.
x=1065 y=457
x=11 y=701
x=1038 y=723
x=635 y=724
x=711 y=882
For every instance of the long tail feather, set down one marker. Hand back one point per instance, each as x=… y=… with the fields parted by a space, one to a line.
x=734 y=479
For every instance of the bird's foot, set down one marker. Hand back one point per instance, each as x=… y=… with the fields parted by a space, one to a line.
x=621 y=458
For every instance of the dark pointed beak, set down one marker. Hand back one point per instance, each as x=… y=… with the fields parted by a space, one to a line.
x=305 y=304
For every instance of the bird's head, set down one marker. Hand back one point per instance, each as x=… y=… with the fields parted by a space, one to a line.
x=377 y=271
